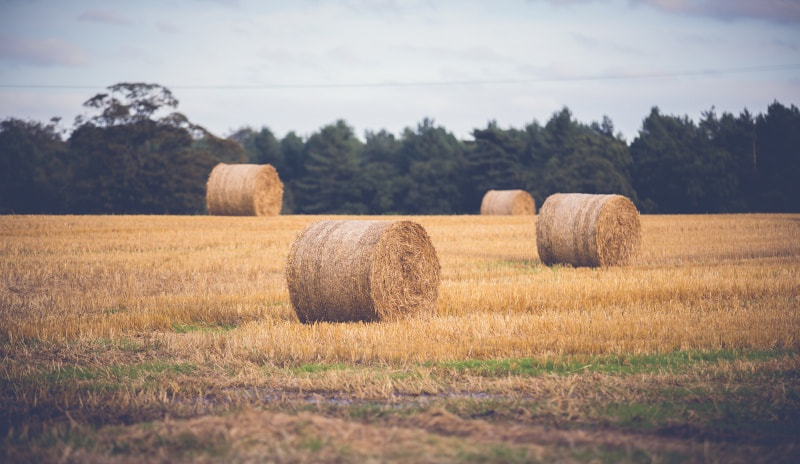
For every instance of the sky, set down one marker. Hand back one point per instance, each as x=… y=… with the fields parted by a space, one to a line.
x=388 y=64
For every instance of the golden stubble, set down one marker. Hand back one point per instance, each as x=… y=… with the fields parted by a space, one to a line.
x=700 y=282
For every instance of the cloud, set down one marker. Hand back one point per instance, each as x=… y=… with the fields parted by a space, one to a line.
x=33 y=105
x=347 y=56
x=391 y=7
x=282 y=56
x=605 y=44
x=225 y=3
x=782 y=44
x=562 y=2
x=168 y=28
x=104 y=16
x=777 y=11
x=42 y=52
x=472 y=54
x=394 y=9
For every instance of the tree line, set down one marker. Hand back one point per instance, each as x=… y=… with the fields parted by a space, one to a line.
x=126 y=159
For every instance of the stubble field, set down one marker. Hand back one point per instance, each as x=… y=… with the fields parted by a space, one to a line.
x=164 y=338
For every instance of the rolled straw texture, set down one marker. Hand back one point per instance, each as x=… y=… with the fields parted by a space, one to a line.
x=506 y=202
x=360 y=270
x=244 y=190
x=588 y=230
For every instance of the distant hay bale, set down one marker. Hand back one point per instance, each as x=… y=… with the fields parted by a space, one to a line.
x=588 y=230
x=359 y=270
x=505 y=202
x=244 y=190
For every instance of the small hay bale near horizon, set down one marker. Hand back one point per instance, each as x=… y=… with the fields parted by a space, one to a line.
x=244 y=190
x=362 y=270
x=508 y=202
x=588 y=230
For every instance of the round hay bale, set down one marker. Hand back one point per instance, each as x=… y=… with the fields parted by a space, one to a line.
x=360 y=270
x=506 y=202
x=244 y=190
x=588 y=230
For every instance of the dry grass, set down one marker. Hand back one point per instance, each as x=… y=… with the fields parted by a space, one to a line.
x=702 y=282
x=735 y=407
x=161 y=338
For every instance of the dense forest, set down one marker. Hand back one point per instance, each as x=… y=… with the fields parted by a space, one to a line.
x=125 y=158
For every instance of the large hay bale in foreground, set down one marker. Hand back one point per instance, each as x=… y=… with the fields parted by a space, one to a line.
x=588 y=230
x=244 y=190
x=359 y=270
x=506 y=202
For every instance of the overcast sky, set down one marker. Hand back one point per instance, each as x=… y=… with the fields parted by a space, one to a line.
x=387 y=64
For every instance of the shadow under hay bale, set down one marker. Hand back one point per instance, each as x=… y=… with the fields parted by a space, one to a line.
x=508 y=202
x=588 y=230
x=361 y=270
x=244 y=190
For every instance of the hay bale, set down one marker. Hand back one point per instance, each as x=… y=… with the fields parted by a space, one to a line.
x=505 y=202
x=359 y=270
x=244 y=190
x=588 y=230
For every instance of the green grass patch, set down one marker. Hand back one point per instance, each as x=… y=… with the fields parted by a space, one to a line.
x=122 y=372
x=615 y=364
x=314 y=368
x=716 y=409
x=179 y=446
x=139 y=371
x=131 y=345
x=525 y=265
x=608 y=454
x=314 y=443
x=198 y=327
x=69 y=373
x=488 y=407
x=495 y=453
x=118 y=309
x=644 y=416
x=727 y=419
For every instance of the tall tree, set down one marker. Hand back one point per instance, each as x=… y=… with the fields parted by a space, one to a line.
x=568 y=156
x=31 y=167
x=714 y=167
x=223 y=150
x=262 y=147
x=736 y=136
x=680 y=167
x=331 y=183
x=123 y=160
x=383 y=183
x=128 y=102
x=435 y=160
x=777 y=158
x=294 y=152
x=141 y=167
x=293 y=149
x=662 y=154
x=493 y=161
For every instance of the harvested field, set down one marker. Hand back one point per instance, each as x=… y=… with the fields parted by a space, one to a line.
x=169 y=338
